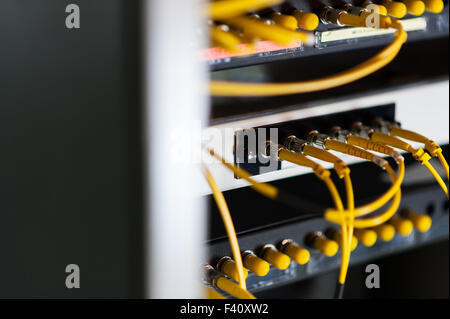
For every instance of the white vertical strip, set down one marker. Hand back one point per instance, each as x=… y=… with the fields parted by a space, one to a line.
x=175 y=102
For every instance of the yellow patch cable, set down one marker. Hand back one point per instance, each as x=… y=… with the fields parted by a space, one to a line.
x=212 y=294
x=431 y=146
x=301 y=147
x=324 y=155
x=333 y=216
x=225 y=9
x=224 y=39
x=376 y=147
x=232 y=288
x=419 y=154
x=326 y=142
x=262 y=188
x=218 y=280
x=272 y=192
x=268 y=190
x=225 y=88
x=396 y=180
x=255 y=28
x=394 y=190
x=229 y=227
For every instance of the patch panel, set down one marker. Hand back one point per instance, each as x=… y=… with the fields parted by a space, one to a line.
x=425 y=199
x=408 y=101
x=328 y=38
x=255 y=162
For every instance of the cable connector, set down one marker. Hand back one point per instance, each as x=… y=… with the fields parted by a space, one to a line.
x=398 y=157
x=433 y=147
x=367 y=16
x=272 y=150
x=341 y=169
x=359 y=129
x=382 y=126
x=339 y=166
x=211 y=275
x=227 y=266
x=381 y=162
x=421 y=156
x=348 y=7
x=329 y=15
x=380 y=8
x=319 y=241
x=317 y=139
x=257 y=265
x=353 y=16
x=299 y=159
x=276 y=258
x=299 y=254
x=215 y=279
x=295 y=144
x=339 y=134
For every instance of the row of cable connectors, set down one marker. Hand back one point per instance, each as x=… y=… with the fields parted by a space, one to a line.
x=327 y=243
x=280 y=27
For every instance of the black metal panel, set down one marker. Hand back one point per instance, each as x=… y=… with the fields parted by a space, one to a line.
x=70 y=159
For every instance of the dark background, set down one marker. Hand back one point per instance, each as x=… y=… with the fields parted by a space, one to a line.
x=69 y=149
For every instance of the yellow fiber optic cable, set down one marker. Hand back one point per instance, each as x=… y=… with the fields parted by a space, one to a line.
x=326 y=142
x=336 y=217
x=339 y=165
x=432 y=147
x=443 y=162
x=212 y=294
x=284 y=20
x=229 y=227
x=369 y=208
x=395 y=9
x=224 y=39
x=419 y=154
x=301 y=147
x=225 y=9
x=255 y=28
x=415 y=7
x=352 y=151
x=268 y=190
x=434 y=6
x=371 y=145
x=347 y=236
x=381 y=9
x=232 y=288
x=263 y=188
x=355 y=17
x=322 y=173
x=218 y=280
x=306 y=20
x=381 y=148
x=224 y=88
x=437 y=177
